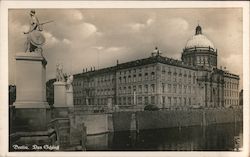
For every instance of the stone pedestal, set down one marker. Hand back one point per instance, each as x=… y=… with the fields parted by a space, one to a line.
x=30 y=81
x=61 y=109
x=31 y=107
x=69 y=98
x=60 y=94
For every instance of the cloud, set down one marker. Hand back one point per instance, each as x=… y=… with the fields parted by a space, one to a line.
x=66 y=41
x=77 y=15
x=149 y=21
x=87 y=29
x=139 y=26
x=178 y=24
x=114 y=49
x=50 y=39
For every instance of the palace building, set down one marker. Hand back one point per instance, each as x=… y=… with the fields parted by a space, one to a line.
x=195 y=81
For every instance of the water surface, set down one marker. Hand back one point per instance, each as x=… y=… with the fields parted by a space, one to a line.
x=219 y=137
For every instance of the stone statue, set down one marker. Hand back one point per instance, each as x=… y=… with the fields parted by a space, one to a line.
x=59 y=73
x=69 y=86
x=35 y=39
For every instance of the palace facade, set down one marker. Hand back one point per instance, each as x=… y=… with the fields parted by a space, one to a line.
x=192 y=82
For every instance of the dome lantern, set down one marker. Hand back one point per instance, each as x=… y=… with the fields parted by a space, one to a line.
x=198 y=30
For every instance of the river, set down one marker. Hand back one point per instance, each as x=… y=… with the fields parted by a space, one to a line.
x=219 y=137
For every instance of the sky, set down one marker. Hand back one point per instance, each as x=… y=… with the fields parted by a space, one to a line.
x=85 y=38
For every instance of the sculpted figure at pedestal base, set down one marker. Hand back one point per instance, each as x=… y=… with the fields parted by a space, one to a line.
x=69 y=86
x=59 y=73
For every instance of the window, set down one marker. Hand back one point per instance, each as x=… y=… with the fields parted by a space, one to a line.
x=163 y=71
x=124 y=79
x=174 y=78
x=169 y=101
x=169 y=70
x=119 y=101
x=129 y=89
x=174 y=88
x=153 y=99
x=180 y=89
x=146 y=88
x=163 y=88
x=163 y=100
x=169 y=88
x=129 y=100
x=153 y=75
x=146 y=100
x=140 y=77
x=124 y=101
x=134 y=78
x=124 y=90
x=146 y=76
x=134 y=88
x=140 y=100
x=180 y=101
x=175 y=101
x=129 y=78
x=152 y=88
x=140 y=88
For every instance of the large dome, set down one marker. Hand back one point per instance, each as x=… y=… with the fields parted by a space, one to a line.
x=199 y=40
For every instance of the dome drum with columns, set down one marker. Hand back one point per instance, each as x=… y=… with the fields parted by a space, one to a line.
x=200 y=51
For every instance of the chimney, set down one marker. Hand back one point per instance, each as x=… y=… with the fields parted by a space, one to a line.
x=83 y=70
x=117 y=61
x=91 y=69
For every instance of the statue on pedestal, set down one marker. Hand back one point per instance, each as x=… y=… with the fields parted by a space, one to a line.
x=35 y=39
x=69 y=86
x=59 y=73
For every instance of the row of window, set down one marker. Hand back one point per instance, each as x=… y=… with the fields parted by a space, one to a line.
x=231 y=102
x=93 y=101
x=130 y=79
x=150 y=69
x=134 y=77
x=230 y=93
x=179 y=80
x=140 y=100
x=151 y=88
x=128 y=72
x=202 y=60
x=231 y=85
x=91 y=82
x=147 y=88
x=93 y=92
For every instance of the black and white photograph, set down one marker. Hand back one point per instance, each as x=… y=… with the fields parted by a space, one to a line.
x=127 y=79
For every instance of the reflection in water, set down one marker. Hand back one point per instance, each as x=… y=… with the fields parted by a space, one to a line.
x=214 y=137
